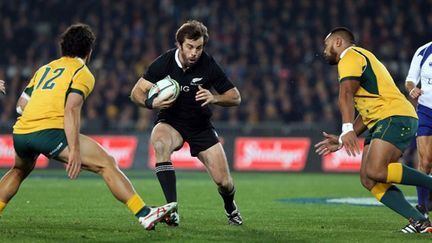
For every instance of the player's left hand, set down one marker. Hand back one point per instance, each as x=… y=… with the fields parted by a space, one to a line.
x=328 y=145
x=350 y=142
x=73 y=167
x=204 y=95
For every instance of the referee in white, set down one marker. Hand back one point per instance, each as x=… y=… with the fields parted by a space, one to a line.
x=420 y=72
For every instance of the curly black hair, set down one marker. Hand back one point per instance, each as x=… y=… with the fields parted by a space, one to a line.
x=77 y=41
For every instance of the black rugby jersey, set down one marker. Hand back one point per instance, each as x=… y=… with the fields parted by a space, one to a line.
x=205 y=72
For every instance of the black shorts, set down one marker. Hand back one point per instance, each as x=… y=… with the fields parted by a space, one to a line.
x=199 y=138
x=49 y=142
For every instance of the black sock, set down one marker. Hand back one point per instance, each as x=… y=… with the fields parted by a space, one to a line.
x=166 y=175
x=228 y=198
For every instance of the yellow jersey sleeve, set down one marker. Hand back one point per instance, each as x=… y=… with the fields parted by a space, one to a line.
x=351 y=66
x=29 y=88
x=83 y=82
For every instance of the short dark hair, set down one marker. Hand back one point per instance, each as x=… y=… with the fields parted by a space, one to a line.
x=345 y=33
x=192 y=29
x=77 y=41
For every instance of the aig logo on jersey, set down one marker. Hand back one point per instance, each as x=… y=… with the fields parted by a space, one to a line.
x=193 y=82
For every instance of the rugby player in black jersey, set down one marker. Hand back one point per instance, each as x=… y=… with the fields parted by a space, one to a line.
x=187 y=118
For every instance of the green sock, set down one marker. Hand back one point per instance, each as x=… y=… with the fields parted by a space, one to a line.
x=143 y=212
x=394 y=199
x=402 y=174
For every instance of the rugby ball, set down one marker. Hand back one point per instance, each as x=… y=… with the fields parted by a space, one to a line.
x=166 y=88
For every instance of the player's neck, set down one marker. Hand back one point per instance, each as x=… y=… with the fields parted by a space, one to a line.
x=343 y=52
x=180 y=60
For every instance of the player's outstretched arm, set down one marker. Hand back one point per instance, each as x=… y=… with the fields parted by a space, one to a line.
x=22 y=102
x=328 y=145
x=230 y=98
x=72 y=118
x=139 y=91
x=348 y=137
x=139 y=96
x=412 y=89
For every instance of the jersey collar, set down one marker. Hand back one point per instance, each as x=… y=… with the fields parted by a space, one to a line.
x=345 y=51
x=80 y=60
x=176 y=55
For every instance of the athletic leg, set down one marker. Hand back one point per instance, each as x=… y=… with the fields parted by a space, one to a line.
x=11 y=181
x=377 y=168
x=215 y=160
x=94 y=158
x=424 y=146
x=165 y=139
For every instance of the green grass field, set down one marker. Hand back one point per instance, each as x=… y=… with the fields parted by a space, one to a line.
x=51 y=208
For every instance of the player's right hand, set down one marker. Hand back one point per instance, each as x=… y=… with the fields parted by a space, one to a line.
x=73 y=166
x=2 y=87
x=328 y=145
x=415 y=93
x=163 y=104
x=350 y=142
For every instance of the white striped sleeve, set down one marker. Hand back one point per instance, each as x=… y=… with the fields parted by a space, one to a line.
x=414 y=71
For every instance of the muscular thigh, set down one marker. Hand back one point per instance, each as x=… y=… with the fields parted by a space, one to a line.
x=380 y=154
x=424 y=149
x=424 y=146
x=93 y=155
x=215 y=160
x=168 y=135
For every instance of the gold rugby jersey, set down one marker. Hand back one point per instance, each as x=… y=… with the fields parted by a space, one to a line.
x=378 y=96
x=47 y=92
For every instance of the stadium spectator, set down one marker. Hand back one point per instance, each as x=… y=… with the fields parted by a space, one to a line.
x=276 y=41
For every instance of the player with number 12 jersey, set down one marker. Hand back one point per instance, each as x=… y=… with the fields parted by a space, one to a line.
x=48 y=90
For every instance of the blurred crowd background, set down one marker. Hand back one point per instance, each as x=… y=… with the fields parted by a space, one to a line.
x=270 y=49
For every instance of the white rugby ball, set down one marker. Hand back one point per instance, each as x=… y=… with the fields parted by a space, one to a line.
x=166 y=88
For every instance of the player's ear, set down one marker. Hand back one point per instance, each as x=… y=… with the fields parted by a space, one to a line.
x=177 y=45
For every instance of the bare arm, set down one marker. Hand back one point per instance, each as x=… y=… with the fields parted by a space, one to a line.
x=22 y=102
x=230 y=98
x=348 y=137
x=330 y=143
x=347 y=89
x=359 y=126
x=139 y=95
x=72 y=118
x=412 y=89
x=140 y=90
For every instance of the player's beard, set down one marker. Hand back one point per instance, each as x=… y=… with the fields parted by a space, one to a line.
x=331 y=58
x=186 y=61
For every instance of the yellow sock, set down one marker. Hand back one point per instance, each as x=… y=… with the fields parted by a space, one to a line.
x=380 y=189
x=135 y=203
x=394 y=173
x=2 y=206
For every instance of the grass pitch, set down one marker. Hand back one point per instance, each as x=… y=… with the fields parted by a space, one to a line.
x=51 y=208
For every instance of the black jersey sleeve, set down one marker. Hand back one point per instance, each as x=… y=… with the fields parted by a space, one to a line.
x=157 y=69
x=220 y=83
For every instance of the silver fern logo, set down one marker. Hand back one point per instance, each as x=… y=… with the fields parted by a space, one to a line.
x=196 y=81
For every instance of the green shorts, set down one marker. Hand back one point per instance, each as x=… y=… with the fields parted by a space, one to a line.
x=397 y=130
x=49 y=142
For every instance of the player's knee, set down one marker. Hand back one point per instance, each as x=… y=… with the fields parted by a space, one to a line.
x=108 y=163
x=366 y=182
x=161 y=147
x=376 y=174
x=426 y=159
x=19 y=172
